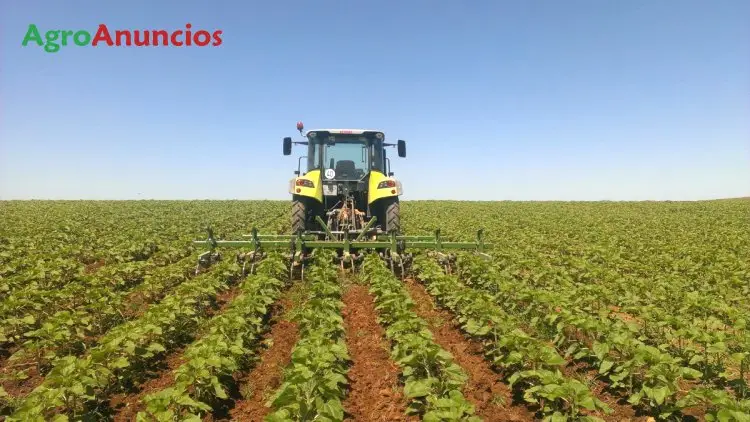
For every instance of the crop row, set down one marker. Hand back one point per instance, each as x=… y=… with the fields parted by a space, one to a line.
x=675 y=260
x=314 y=383
x=229 y=342
x=530 y=363
x=432 y=380
x=681 y=319
x=26 y=309
x=649 y=376
x=72 y=330
x=50 y=268
x=49 y=244
x=123 y=355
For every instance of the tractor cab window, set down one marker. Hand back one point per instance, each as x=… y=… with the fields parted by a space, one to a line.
x=348 y=157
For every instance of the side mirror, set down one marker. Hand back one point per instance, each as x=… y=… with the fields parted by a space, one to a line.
x=401 y=148
x=287 y=146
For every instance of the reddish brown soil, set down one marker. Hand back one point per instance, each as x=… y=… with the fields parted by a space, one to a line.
x=223 y=299
x=126 y=406
x=20 y=388
x=624 y=316
x=484 y=388
x=93 y=267
x=258 y=385
x=375 y=393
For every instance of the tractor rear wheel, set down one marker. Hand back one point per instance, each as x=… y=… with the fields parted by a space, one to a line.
x=393 y=217
x=299 y=216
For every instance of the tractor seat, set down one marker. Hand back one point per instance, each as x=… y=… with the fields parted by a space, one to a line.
x=346 y=169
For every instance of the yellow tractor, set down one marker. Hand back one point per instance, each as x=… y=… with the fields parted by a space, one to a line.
x=346 y=182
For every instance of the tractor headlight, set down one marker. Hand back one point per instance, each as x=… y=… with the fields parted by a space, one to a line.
x=304 y=183
x=387 y=184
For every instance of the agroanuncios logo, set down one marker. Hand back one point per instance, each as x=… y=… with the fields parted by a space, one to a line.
x=54 y=40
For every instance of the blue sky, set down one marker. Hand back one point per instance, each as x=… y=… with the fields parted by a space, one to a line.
x=545 y=100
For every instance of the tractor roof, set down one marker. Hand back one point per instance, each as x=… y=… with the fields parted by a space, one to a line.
x=345 y=131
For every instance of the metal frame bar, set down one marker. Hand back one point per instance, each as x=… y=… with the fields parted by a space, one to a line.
x=325 y=226
x=300 y=241
x=366 y=228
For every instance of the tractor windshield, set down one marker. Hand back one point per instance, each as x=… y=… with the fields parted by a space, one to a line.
x=347 y=159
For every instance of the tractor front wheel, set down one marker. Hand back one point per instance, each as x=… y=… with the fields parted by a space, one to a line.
x=299 y=216
x=393 y=217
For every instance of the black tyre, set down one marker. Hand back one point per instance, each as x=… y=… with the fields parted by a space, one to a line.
x=393 y=217
x=299 y=216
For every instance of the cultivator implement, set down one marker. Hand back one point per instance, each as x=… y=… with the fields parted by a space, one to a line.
x=351 y=247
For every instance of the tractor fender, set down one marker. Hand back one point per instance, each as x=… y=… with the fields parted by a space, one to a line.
x=314 y=192
x=374 y=193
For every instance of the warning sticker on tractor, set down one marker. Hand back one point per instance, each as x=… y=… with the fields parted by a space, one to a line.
x=330 y=173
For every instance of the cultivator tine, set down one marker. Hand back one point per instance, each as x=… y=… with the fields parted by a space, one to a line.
x=255 y=259
x=292 y=254
x=200 y=263
x=211 y=238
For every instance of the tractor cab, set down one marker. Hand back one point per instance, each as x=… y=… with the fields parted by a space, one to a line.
x=344 y=156
x=347 y=154
x=345 y=168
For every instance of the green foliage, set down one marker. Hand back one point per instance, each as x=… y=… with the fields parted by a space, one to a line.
x=530 y=362
x=650 y=376
x=228 y=341
x=432 y=380
x=124 y=353
x=315 y=380
x=652 y=297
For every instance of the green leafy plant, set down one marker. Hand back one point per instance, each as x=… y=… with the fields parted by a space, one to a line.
x=315 y=380
x=432 y=380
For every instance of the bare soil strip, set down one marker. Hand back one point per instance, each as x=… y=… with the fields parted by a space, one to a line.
x=491 y=397
x=18 y=388
x=375 y=393
x=260 y=383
